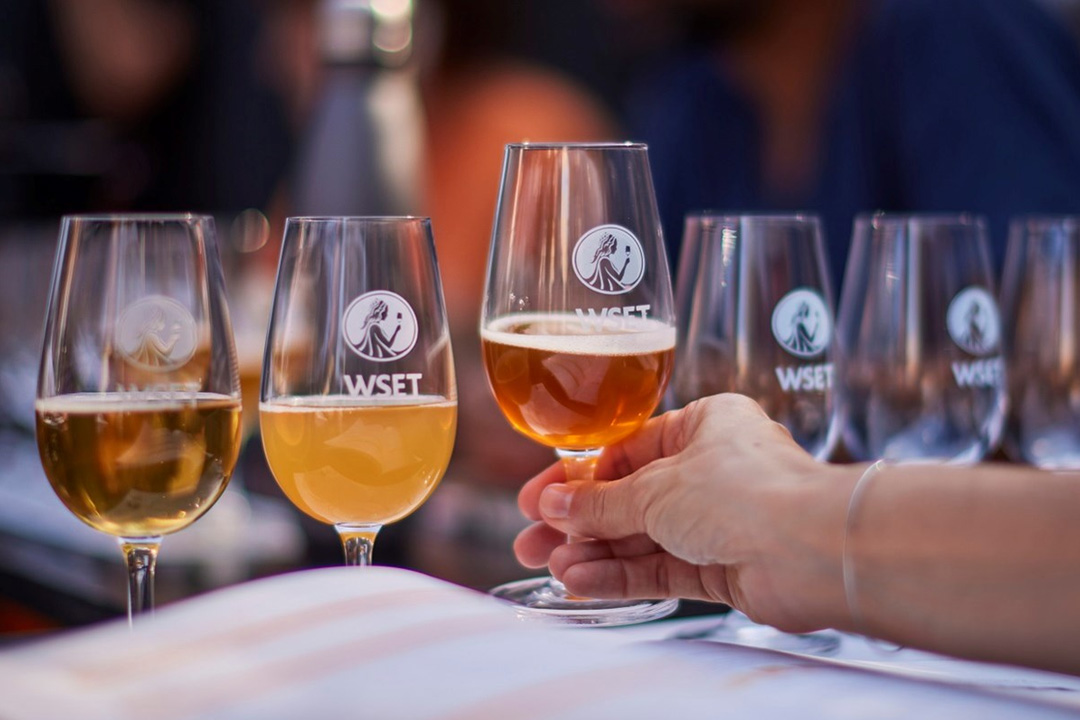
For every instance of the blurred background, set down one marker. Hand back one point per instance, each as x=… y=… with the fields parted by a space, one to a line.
x=254 y=110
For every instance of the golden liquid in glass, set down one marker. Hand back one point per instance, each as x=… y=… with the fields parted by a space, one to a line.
x=136 y=467
x=572 y=387
x=340 y=462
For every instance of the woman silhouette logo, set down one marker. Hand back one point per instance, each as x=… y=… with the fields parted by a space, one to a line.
x=156 y=333
x=609 y=259
x=380 y=326
x=972 y=320
x=802 y=324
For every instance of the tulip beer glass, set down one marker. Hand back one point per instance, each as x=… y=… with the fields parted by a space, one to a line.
x=138 y=404
x=359 y=404
x=1041 y=328
x=578 y=327
x=921 y=375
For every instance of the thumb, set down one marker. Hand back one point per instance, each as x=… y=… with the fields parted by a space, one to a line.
x=604 y=510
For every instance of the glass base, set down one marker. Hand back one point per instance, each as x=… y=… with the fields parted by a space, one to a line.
x=737 y=629
x=545 y=599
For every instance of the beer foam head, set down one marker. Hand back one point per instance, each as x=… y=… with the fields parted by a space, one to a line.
x=306 y=403
x=565 y=333
x=81 y=403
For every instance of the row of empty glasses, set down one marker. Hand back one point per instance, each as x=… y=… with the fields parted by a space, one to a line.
x=921 y=364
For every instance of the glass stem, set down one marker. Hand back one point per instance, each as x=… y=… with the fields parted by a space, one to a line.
x=358 y=541
x=579 y=465
x=140 y=558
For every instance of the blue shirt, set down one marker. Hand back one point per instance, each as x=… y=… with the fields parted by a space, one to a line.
x=942 y=106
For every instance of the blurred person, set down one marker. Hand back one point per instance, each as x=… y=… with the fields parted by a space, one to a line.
x=479 y=91
x=121 y=105
x=717 y=502
x=842 y=106
x=115 y=106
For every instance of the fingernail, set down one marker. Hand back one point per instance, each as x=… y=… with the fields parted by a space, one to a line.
x=555 y=501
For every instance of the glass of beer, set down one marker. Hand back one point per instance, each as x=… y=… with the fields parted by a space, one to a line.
x=138 y=401
x=578 y=326
x=755 y=310
x=358 y=405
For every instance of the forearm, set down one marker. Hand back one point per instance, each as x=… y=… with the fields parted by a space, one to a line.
x=979 y=562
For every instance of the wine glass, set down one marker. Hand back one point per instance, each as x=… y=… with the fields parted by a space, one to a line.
x=138 y=401
x=755 y=313
x=359 y=405
x=577 y=325
x=920 y=371
x=1041 y=327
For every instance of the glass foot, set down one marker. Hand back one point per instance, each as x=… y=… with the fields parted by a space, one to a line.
x=738 y=629
x=545 y=599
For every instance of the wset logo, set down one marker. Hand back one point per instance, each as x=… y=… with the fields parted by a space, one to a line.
x=801 y=323
x=609 y=259
x=156 y=333
x=972 y=320
x=380 y=326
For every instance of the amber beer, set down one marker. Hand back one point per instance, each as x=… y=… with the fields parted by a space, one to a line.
x=341 y=462
x=575 y=387
x=137 y=467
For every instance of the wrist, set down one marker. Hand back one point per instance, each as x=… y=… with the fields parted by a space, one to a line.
x=810 y=530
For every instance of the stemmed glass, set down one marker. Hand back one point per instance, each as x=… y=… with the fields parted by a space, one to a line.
x=577 y=326
x=359 y=406
x=1041 y=327
x=920 y=371
x=138 y=402
x=755 y=315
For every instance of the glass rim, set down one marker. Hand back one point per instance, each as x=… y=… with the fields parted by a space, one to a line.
x=727 y=216
x=374 y=219
x=600 y=145
x=138 y=217
x=960 y=217
x=1045 y=218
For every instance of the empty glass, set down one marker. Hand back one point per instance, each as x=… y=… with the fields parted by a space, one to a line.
x=755 y=316
x=920 y=371
x=1041 y=327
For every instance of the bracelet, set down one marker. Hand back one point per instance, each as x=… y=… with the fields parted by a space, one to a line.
x=847 y=565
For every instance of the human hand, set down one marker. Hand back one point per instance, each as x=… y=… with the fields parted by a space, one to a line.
x=714 y=501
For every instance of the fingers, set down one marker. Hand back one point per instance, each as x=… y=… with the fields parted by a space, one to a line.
x=605 y=510
x=604 y=570
x=659 y=437
x=621 y=459
x=529 y=495
x=534 y=545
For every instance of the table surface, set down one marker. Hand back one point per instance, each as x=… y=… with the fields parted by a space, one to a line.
x=384 y=642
